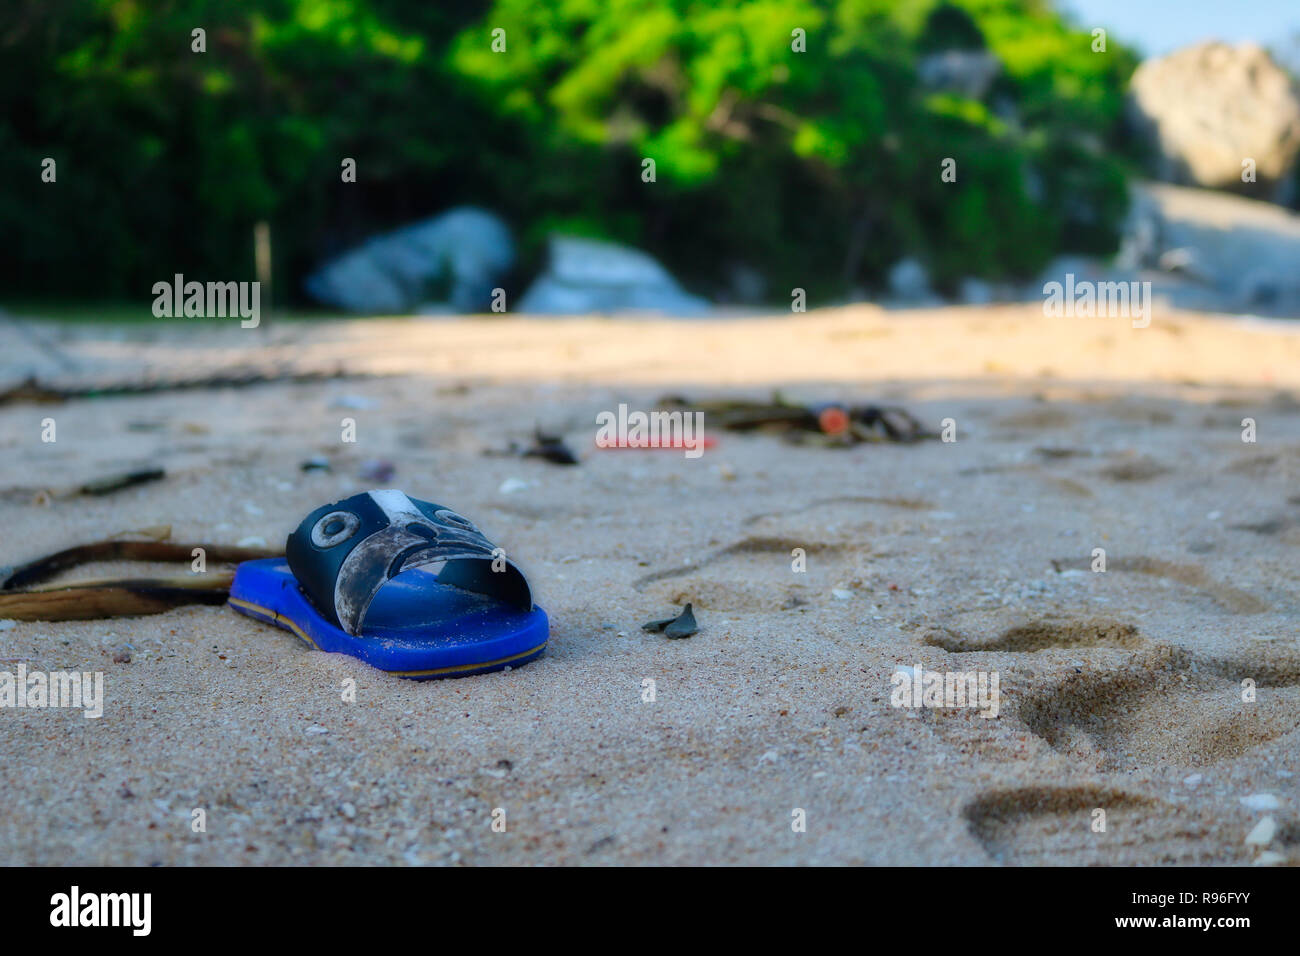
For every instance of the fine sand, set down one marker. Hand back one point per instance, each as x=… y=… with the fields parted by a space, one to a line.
x=1119 y=691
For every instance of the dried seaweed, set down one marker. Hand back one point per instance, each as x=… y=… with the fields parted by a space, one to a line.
x=42 y=569
x=33 y=391
x=830 y=423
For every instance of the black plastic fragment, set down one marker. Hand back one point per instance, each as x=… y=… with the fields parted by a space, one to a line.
x=674 y=628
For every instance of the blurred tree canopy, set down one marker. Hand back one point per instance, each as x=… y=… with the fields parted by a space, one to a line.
x=792 y=138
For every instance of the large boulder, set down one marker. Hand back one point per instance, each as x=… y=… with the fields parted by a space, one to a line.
x=1212 y=251
x=1206 y=108
x=588 y=275
x=453 y=259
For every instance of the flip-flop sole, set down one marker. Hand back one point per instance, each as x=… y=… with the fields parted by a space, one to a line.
x=416 y=627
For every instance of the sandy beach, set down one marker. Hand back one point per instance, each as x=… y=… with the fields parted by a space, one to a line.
x=1120 y=691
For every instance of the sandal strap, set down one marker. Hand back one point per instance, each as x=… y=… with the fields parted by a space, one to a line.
x=344 y=552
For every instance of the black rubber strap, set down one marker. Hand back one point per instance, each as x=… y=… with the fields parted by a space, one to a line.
x=343 y=553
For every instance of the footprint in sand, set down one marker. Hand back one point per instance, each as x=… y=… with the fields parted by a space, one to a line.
x=754 y=574
x=1267 y=526
x=1036 y=826
x=1167 y=707
x=1041 y=635
x=751 y=575
x=1133 y=470
x=1194 y=576
x=1045 y=417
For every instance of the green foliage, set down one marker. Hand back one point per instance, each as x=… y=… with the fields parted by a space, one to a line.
x=818 y=169
x=949 y=27
x=168 y=157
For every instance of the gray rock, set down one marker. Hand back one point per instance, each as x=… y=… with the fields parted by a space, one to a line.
x=909 y=283
x=459 y=254
x=1082 y=269
x=1209 y=250
x=973 y=291
x=746 y=284
x=1208 y=107
x=588 y=275
x=969 y=73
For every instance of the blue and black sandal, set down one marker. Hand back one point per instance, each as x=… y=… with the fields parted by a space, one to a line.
x=354 y=580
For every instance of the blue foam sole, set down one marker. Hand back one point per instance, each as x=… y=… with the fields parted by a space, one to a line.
x=416 y=627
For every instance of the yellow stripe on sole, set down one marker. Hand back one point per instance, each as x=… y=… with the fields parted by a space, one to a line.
x=281 y=621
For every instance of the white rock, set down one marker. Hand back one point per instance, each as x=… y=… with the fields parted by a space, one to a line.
x=1208 y=106
x=587 y=275
x=1262 y=833
x=1216 y=251
x=1269 y=858
x=1192 y=780
x=1260 y=801
x=511 y=485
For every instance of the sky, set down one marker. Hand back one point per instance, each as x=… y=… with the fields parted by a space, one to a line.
x=1159 y=26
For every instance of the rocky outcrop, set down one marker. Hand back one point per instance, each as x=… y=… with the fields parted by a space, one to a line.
x=1208 y=108
x=1211 y=251
x=588 y=275
x=448 y=262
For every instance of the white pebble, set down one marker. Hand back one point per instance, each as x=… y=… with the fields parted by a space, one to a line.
x=511 y=485
x=840 y=594
x=1269 y=858
x=1192 y=780
x=1261 y=801
x=1263 y=832
x=317 y=729
x=911 y=673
